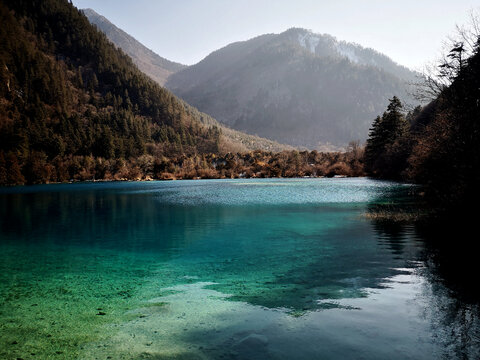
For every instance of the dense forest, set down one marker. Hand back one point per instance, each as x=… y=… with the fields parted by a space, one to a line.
x=67 y=95
x=437 y=145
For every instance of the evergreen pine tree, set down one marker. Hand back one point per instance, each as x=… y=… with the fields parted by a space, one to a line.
x=387 y=144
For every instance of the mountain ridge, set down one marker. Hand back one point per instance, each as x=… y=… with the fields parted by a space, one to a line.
x=355 y=52
x=286 y=88
x=148 y=61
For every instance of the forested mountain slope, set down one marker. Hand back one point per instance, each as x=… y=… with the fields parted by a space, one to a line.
x=68 y=96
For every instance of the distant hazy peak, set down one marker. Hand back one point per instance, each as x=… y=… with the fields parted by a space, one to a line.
x=155 y=66
x=296 y=87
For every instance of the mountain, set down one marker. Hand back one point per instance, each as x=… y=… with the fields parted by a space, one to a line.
x=155 y=66
x=159 y=69
x=73 y=106
x=296 y=87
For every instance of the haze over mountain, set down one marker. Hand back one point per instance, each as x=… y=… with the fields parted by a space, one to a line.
x=155 y=66
x=296 y=87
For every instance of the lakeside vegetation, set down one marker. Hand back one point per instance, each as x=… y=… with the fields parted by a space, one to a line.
x=436 y=146
x=256 y=164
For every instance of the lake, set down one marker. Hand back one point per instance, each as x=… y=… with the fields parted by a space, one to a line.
x=225 y=269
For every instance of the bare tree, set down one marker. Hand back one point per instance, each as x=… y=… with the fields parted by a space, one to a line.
x=436 y=77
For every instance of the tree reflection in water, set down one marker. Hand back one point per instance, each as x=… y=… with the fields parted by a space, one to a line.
x=449 y=264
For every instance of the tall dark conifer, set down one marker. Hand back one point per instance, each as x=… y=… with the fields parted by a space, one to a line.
x=387 y=150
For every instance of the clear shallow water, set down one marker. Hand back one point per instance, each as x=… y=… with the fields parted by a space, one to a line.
x=240 y=269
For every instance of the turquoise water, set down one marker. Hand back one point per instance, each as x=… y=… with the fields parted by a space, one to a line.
x=222 y=269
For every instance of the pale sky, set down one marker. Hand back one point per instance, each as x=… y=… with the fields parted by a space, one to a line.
x=411 y=32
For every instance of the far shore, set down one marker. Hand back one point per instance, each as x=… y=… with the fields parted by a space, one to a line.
x=74 y=181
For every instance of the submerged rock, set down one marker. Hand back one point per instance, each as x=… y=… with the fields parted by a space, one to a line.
x=253 y=346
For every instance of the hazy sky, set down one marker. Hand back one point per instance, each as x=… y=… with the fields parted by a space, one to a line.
x=411 y=32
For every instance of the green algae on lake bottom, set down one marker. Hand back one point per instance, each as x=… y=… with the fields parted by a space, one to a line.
x=218 y=269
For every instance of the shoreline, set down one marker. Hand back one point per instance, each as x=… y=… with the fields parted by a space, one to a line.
x=185 y=179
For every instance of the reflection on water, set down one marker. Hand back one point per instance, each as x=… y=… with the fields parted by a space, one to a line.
x=449 y=269
x=233 y=269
